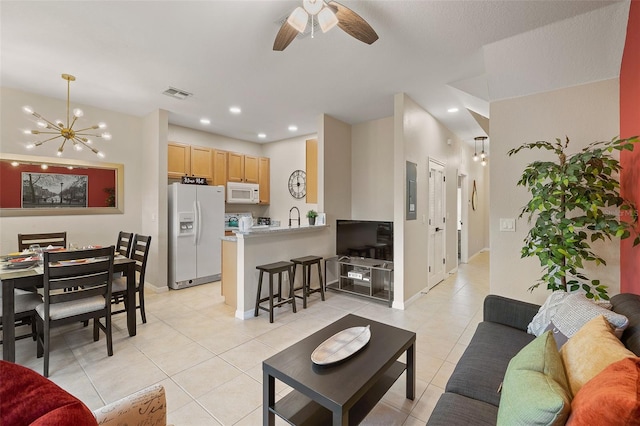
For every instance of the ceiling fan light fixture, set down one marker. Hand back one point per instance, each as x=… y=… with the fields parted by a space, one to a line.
x=327 y=19
x=313 y=6
x=298 y=19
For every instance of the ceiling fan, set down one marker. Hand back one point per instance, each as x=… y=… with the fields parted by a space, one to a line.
x=329 y=14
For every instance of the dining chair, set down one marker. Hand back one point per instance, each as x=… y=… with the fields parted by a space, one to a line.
x=140 y=253
x=90 y=274
x=57 y=239
x=24 y=307
x=123 y=246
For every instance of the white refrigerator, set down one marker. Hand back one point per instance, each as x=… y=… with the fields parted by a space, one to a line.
x=196 y=226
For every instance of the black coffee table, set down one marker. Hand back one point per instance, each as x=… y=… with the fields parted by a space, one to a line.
x=342 y=393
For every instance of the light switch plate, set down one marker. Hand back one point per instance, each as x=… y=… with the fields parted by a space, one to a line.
x=507 y=225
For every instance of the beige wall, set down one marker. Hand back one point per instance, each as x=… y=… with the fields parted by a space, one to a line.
x=583 y=113
x=124 y=148
x=285 y=157
x=372 y=170
x=202 y=138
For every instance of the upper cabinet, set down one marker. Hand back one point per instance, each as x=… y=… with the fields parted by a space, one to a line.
x=202 y=162
x=235 y=167
x=242 y=168
x=219 y=167
x=187 y=160
x=264 y=179
x=179 y=156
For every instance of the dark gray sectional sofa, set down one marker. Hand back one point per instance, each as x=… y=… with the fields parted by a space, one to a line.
x=472 y=393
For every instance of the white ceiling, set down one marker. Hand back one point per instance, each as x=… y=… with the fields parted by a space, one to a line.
x=443 y=54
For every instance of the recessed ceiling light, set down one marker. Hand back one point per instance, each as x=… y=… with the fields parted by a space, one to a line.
x=452 y=110
x=235 y=110
x=293 y=128
x=205 y=121
x=262 y=135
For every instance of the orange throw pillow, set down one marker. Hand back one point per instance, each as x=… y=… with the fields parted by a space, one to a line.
x=612 y=398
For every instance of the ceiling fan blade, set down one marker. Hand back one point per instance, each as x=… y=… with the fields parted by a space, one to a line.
x=284 y=37
x=353 y=24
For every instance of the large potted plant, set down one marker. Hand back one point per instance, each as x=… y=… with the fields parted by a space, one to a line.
x=575 y=201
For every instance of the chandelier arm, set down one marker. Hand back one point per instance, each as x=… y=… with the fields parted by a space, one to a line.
x=73 y=122
x=87 y=128
x=47 y=140
x=95 y=151
x=46 y=133
x=68 y=96
x=47 y=121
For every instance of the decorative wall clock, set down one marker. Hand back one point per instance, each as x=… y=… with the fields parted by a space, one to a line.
x=298 y=184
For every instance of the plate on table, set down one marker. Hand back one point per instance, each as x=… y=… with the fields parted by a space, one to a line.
x=53 y=249
x=73 y=262
x=341 y=345
x=21 y=263
x=17 y=255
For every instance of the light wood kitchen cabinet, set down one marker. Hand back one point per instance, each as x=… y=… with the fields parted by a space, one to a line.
x=219 y=167
x=251 y=169
x=229 y=278
x=312 y=170
x=235 y=167
x=242 y=168
x=179 y=160
x=264 y=177
x=202 y=162
x=188 y=160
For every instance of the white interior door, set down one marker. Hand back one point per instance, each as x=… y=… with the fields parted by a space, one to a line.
x=436 y=263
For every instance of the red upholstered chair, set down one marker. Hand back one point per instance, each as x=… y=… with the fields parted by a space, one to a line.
x=27 y=398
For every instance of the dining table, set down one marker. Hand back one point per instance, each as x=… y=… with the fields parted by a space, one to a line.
x=11 y=279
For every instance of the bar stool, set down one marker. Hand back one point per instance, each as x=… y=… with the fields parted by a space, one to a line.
x=307 y=262
x=272 y=269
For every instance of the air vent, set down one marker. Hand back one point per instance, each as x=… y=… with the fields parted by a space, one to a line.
x=177 y=93
x=307 y=30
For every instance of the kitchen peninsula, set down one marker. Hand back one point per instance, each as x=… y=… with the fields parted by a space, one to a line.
x=261 y=245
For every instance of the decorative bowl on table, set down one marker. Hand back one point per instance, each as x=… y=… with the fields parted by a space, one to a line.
x=341 y=345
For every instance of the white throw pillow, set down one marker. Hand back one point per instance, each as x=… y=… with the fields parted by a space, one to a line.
x=541 y=321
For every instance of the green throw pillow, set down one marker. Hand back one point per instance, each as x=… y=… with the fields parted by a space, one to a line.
x=535 y=390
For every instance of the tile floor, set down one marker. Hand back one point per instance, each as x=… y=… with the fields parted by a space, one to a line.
x=210 y=363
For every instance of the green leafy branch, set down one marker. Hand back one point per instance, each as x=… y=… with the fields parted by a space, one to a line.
x=575 y=202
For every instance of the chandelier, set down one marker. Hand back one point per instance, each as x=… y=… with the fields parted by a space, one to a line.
x=316 y=8
x=483 y=156
x=79 y=138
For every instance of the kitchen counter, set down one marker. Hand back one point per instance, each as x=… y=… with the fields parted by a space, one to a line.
x=263 y=245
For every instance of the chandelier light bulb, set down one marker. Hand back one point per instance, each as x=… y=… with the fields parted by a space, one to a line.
x=100 y=154
x=102 y=126
x=30 y=146
x=475 y=157
x=298 y=19
x=483 y=155
x=78 y=112
x=27 y=109
x=106 y=136
x=484 y=162
x=59 y=153
x=327 y=19
x=42 y=124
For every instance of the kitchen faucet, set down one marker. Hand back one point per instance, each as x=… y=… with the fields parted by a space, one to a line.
x=298 y=219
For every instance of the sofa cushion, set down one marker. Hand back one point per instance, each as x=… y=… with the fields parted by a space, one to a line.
x=629 y=305
x=535 y=389
x=27 y=398
x=611 y=398
x=592 y=349
x=454 y=409
x=480 y=371
x=541 y=321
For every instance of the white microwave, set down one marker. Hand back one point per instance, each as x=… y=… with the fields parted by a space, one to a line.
x=243 y=193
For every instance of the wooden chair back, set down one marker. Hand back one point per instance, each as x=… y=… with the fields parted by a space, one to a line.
x=83 y=274
x=56 y=239
x=123 y=246
x=140 y=253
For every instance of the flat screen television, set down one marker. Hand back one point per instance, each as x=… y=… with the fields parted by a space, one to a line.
x=364 y=238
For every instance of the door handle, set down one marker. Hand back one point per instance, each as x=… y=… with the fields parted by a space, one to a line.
x=437 y=229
